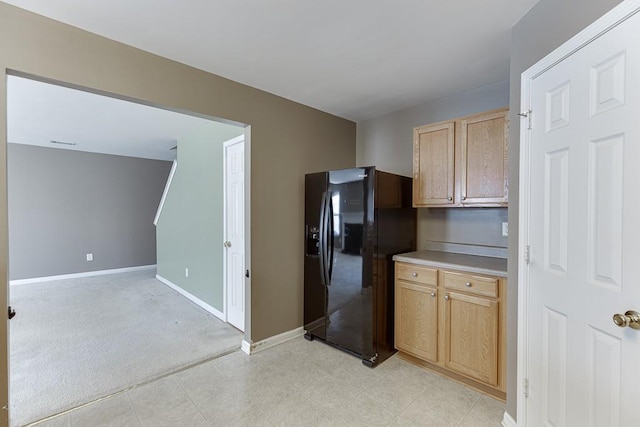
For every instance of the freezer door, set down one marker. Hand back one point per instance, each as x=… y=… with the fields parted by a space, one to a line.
x=315 y=288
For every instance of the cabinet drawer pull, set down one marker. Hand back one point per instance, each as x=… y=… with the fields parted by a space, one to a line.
x=468 y=284
x=414 y=274
x=433 y=294
x=446 y=297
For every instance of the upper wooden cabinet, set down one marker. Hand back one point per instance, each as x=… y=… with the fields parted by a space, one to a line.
x=462 y=162
x=433 y=164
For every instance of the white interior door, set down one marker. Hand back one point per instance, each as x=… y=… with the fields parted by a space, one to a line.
x=234 y=231
x=584 y=236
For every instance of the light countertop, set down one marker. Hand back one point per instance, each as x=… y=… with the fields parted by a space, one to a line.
x=460 y=262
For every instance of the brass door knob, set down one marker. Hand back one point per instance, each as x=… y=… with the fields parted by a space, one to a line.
x=630 y=318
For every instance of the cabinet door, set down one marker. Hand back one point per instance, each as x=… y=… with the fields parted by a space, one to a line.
x=433 y=164
x=417 y=320
x=483 y=159
x=471 y=336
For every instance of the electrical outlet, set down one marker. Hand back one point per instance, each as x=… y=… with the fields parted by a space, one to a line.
x=505 y=229
x=89 y=257
x=186 y=272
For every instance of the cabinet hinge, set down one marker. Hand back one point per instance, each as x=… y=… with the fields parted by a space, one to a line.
x=527 y=115
x=527 y=254
x=525 y=387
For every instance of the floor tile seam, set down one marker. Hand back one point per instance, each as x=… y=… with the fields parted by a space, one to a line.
x=362 y=393
x=323 y=410
x=429 y=387
x=133 y=408
x=345 y=404
x=470 y=409
x=392 y=420
x=271 y=418
x=186 y=392
x=345 y=378
x=407 y=405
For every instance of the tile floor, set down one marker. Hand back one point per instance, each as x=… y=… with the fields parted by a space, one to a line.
x=298 y=383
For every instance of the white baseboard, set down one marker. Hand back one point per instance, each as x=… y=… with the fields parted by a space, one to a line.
x=78 y=275
x=193 y=298
x=246 y=347
x=508 y=421
x=272 y=341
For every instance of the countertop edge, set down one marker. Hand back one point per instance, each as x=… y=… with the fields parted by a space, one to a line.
x=459 y=267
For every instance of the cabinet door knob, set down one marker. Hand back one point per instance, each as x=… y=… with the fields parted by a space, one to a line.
x=446 y=297
x=449 y=198
x=468 y=284
x=433 y=294
x=464 y=197
x=414 y=274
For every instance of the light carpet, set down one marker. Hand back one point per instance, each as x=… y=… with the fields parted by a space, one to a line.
x=77 y=340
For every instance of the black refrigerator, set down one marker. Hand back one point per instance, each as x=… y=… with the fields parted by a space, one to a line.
x=355 y=221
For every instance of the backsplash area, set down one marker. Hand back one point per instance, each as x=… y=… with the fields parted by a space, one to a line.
x=474 y=227
x=461 y=248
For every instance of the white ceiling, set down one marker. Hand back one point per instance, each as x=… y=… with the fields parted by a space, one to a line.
x=38 y=113
x=357 y=59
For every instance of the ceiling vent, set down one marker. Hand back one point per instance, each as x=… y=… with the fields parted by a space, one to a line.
x=62 y=142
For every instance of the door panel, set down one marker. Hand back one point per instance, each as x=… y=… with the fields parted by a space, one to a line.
x=584 y=156
x=234 y=158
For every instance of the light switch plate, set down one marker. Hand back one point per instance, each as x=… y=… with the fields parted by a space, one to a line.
x=505 y=229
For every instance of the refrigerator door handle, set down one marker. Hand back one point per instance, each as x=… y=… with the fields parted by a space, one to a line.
x=322 y=238
x=331 y=246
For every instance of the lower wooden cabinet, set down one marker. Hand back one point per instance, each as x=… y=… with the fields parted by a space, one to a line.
x=417 y=320
x=454 y=323
x=471 y=336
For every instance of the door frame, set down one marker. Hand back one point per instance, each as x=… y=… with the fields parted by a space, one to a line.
x=611 y=19
x=245 y=138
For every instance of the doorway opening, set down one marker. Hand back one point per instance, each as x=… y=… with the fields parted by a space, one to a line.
x=86 y=174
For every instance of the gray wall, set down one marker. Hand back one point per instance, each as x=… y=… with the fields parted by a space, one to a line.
x=64 y=204
x=548 y=25
x=387 y=143
x=190 y=228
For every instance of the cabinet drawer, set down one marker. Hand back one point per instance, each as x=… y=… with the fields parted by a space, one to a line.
x=416 y=273
x=472 y=284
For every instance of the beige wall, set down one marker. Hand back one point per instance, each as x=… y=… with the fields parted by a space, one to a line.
x=548 y=25
x=287 y=140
